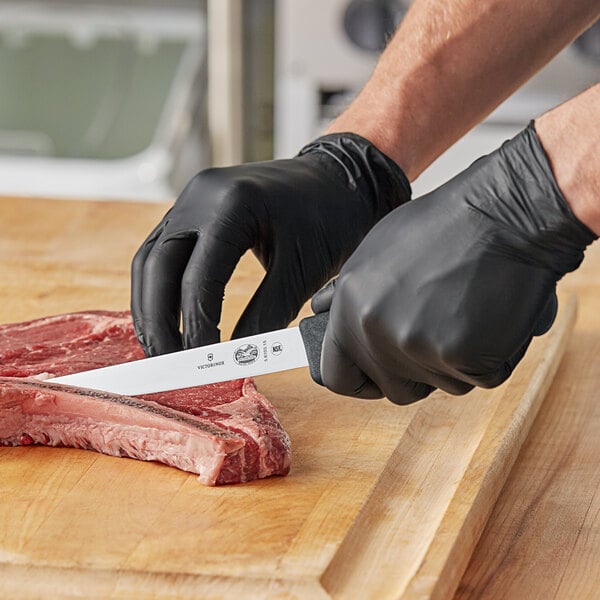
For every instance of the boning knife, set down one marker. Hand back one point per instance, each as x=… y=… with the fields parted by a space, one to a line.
x=259 y=354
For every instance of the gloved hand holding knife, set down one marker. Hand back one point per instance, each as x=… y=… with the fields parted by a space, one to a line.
x=448 y=291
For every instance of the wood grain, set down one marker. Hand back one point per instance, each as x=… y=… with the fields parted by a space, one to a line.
x=382 y=501
x=543 y=538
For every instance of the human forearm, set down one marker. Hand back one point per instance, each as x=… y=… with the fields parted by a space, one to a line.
x=569 y=135
x=450 y=64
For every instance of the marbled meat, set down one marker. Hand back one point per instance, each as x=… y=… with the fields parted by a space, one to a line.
x=225 y=433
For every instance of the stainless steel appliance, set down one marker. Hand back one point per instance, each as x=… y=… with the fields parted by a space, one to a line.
x=325 y=51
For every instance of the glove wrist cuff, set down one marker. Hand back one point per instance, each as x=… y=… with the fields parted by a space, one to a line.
x=563 y=231
x=525 y=198
x=365 y=169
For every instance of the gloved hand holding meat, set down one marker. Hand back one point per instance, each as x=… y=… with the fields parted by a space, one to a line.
x=448 y=291
x=302 y=218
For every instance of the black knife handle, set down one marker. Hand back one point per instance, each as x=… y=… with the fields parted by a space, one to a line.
x=312 y=330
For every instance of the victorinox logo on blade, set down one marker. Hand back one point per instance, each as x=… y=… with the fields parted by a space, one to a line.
x=210 y=357
x=246 y=354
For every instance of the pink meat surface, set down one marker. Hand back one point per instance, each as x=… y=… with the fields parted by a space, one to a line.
x=225 y=433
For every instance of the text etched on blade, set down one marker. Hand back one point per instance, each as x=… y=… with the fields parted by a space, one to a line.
x=211 y=362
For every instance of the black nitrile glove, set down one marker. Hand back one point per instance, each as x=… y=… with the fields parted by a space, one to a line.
x=302 y=217
x=447 y=291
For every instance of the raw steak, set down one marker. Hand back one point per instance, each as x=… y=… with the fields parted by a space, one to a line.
x=226 y=433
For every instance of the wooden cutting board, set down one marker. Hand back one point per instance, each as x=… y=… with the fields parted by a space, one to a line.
x=382 y=501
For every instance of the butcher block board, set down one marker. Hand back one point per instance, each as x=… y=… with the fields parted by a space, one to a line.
x=382 y=501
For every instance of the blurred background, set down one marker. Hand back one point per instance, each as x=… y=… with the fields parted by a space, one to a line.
x=108 y=99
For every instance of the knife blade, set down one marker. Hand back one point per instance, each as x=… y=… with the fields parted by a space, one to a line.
x=260 y=354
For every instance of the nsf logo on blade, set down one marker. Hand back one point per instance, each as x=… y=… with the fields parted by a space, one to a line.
x=246 y=354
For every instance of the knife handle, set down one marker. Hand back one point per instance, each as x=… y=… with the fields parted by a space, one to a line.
x=312 y=330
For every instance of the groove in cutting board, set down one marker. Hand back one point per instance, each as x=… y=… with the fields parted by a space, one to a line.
x=435 y=537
